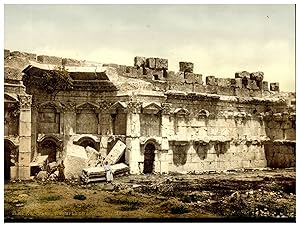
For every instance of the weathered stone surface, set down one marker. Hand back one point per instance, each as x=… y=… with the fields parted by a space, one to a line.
x=161 y=63
x=71 y=62
x=12 y=73
x=76 y=160
x=49 y=60
x=237 y=82
x=134 y=72
x=223 y=82
x=186 y=67
x=16 y=62
x=211 y=80
x=115 y=153
x=29 y=56
x=243 y=74
x=253 y=85
x=139 y=61
x=258 y=76
x=265 y=86
x=150 y=63
x=42 y=175
x=6 y=53
x=274 y=87
x=191 y=78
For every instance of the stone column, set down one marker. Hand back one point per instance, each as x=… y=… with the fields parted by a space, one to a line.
x=165 y=128
x=34 y=129
x=69 y=126
x=25 y=137
x=133 y=133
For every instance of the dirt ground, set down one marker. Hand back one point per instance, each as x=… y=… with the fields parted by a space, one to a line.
x=248 y=195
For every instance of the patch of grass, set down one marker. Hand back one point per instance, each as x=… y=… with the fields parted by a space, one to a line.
x=129 y=203
x=49 y=198
x=80 y=197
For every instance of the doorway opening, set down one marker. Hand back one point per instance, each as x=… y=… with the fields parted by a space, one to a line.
x=149 y=158
x=10 y=158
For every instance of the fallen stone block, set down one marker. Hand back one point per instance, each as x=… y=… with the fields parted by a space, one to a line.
x=6 y=53
x=161 y=63
x=49 y=60
x=115 y=153
x=42 y=175
x=97 y=174
x=211 y=80
x=274 y=87
x=76 y=160
x=186 y=67
x=243 y=74
x=93 y=156
x=150 y=63
x=139 y=61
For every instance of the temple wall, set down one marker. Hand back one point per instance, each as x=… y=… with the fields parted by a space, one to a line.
x=195 y=123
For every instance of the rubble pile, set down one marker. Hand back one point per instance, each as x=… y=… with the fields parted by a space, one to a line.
x=83 y=163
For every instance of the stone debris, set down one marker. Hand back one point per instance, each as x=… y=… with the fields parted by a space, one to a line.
x=42 y=175
x=97 y=174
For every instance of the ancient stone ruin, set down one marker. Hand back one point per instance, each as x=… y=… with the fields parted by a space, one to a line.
x=79 y=111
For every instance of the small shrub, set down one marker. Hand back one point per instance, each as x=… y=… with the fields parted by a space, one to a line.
x=80 y=197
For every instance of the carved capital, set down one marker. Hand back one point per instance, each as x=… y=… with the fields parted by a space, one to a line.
x=166 y=108
x=25 y=101
x=104 y=106
x=69 y=106
x=134 y=107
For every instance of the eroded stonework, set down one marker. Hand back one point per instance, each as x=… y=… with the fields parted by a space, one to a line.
x=169 y=121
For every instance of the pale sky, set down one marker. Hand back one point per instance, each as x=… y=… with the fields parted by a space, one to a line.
x=219 y=39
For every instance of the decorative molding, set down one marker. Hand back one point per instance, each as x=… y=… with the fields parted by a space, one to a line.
x=151 y=108
x=181 y=112
x=203 y=113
